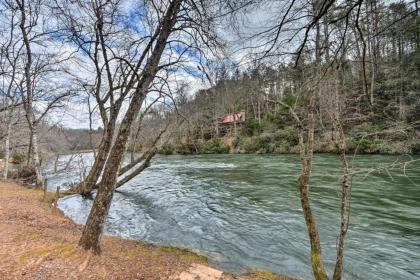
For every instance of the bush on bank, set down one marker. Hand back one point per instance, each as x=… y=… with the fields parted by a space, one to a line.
x=285 y=140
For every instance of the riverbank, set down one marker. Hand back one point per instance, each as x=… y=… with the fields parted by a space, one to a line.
x=267 y=143
x=38 y=242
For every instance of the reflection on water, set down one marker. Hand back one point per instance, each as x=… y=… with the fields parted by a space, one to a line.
x=243 y=212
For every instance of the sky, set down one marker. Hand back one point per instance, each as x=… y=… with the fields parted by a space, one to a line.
x=76 y=113
x=236 y=35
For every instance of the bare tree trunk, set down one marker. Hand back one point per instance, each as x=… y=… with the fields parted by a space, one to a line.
x=91 y=128
x=374 y=47
x=306 y=157
x=36 y=157
x=29 y=152
x=90 y=181
x=416 y=5
x=33 y=152
x=259 y=112
x=94 y=225
x=148 y=157
x=345 y=183
x=7 y=149
x=145 y=155
x=133 y=141
x=344 y=207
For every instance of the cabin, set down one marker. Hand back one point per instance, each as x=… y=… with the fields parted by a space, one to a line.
x=229 y=123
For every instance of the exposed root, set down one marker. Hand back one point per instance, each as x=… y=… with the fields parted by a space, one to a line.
x=84 y=265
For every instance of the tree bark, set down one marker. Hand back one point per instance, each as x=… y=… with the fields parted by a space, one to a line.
x=340 y=143
x=29 y=151
x=417 y=22
x=344 y=207
x=36 y=157
x=87 y=186
x=148 y=157
x=90 y=239
x=7 y=148
x=144 y=156
x=33 y=151
x=306 y=157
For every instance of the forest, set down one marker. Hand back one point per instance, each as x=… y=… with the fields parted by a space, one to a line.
x=131 y=82
x=380 y=102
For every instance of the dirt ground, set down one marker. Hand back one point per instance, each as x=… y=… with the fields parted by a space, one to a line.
x=38 y=242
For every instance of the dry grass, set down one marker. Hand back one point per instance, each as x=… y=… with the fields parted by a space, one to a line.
x=38 y=242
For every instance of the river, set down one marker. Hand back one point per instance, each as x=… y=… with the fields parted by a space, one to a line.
x=243 y=212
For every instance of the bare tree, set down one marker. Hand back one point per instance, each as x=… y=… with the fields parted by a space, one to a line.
x=175 y=19
x=32 y=61
x=10 y=53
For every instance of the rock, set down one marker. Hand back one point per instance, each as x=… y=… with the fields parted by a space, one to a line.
x=199 y=272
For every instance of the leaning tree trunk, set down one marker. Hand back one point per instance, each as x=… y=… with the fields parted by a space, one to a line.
x=90 y=181
x=139 y=169
x=95 y=222
x=134 y=171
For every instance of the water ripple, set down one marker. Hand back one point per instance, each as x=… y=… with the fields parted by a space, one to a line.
x=243 y=212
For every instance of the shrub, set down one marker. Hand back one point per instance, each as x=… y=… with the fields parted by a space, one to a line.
x=365 y=145
x=249 y=144
x=17 y=158
x=258 y=144
x=235 y=141
x=265 y=143
x=415 y=149
x=166 y=149
x=287 y=135
x=281 y=149
x=26 y=173
x=251 y=127
x=185 y=149
x=276 y=119
x=214 y=146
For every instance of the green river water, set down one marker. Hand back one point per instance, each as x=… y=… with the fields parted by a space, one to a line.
x=243 y=212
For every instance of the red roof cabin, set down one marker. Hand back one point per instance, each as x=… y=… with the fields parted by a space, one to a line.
x=227 y=122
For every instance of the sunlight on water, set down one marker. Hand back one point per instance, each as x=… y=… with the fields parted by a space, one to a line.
x=243 y=212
